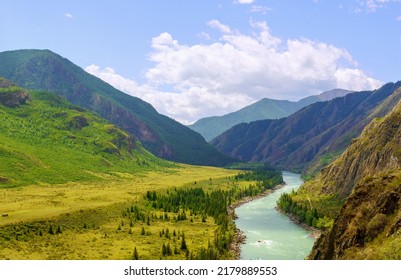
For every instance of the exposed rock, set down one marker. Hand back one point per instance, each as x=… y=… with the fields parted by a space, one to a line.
x=368 y=174
x=11 y=95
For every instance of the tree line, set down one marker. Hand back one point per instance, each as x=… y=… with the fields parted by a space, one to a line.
x=304 y=214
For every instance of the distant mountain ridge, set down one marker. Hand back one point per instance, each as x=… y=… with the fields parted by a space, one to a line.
x=310 y=138
x=263 y=109
x=164 y=137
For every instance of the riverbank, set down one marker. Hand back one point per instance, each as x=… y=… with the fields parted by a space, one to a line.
x=269 y=234
x=313 y=232
x=240 y=237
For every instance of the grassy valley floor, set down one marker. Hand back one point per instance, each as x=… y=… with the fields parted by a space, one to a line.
x=109 y=219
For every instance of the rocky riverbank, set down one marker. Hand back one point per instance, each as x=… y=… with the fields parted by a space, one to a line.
x=313 y=232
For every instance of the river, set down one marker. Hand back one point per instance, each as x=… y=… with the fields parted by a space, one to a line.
x=271 y=235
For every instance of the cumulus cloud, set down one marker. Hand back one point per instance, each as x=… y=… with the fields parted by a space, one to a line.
x=184 y=106
x=68 y=15
x=236 y=70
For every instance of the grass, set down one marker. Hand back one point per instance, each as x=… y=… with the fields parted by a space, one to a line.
x=70 y=182
x=91 y=219
x=50 y=141
x=44 y=201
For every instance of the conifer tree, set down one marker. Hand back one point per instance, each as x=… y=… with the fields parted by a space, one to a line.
x=51 y=231
x=183 y=243
x=135 y=256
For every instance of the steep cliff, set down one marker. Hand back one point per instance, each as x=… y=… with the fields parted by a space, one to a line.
x=368 y=177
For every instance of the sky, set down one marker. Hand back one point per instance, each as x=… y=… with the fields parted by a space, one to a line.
x=193 y=59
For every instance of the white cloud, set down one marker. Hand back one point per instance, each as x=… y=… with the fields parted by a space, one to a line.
x=226 y=75
x=243 y=1
x=259 y=9
x=356 y=77
x=185 y=106
x=68 y=15
x=373 y=5
x=204 y=35
x=219 y=26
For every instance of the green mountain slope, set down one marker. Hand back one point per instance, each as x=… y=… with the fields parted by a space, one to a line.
x=46 y=140
x=309 y=138
x=264 y=109
x=367 y=176
x=164 y=137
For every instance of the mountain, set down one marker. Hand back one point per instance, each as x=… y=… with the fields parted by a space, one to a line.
x=164 y=137
x=367 y=176
x=264 y=109
x=44 y=139
x=310 y=138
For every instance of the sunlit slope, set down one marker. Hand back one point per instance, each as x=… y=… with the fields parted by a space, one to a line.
x=46 y=140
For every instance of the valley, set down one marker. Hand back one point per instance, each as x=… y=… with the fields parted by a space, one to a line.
x=88 y=172
x=74 y=186
x=92 y=221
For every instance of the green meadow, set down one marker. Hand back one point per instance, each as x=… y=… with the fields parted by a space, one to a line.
x=93 y=220
x=74 y=186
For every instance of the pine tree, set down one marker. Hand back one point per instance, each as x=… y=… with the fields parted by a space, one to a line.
x=168 y=250
x=135 y=256
x=183 y=246
x=51 y=231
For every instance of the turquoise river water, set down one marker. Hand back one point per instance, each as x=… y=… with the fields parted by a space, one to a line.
x=271 y=235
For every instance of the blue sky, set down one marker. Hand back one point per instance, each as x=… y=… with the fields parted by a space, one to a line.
x=193 y=59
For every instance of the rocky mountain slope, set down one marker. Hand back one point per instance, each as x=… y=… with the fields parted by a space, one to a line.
x=264 y=109
x=310 y=138
x=164 y=137
x=368 y=177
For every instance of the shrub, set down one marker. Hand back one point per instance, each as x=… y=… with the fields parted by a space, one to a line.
x=375 y=226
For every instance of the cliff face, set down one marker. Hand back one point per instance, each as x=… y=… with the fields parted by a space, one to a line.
x=368 y=174
x=369 y=223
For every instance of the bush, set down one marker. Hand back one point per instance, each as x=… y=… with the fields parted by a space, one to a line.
x=375 y=226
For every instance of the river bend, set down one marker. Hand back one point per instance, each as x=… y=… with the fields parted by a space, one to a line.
x=271 y=235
